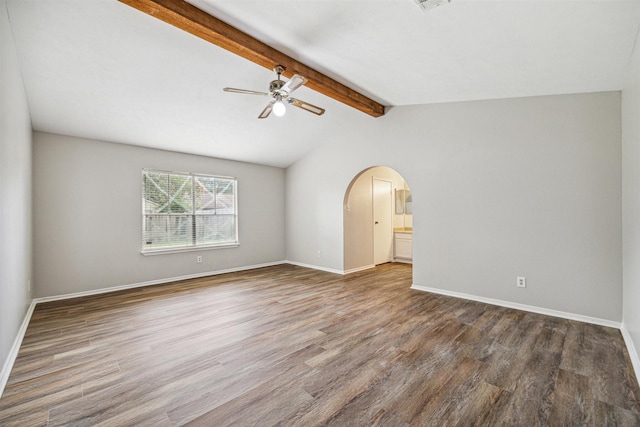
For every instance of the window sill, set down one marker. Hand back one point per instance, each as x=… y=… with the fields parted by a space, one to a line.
x=152 y=252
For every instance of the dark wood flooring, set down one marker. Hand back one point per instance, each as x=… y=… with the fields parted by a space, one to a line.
x=290 y=346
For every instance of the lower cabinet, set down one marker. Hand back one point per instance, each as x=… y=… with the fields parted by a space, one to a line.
x=403 y=247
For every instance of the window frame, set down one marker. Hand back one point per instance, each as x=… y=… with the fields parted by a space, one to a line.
x=193 y=215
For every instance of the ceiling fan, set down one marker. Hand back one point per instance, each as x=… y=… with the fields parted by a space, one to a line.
x=281 y=91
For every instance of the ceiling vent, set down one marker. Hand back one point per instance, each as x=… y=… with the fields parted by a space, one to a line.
x=430 y=4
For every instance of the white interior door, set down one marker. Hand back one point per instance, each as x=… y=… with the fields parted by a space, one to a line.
x=382 y=221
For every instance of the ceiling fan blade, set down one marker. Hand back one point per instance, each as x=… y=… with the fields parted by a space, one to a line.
x=267 y=110
x=245 y=91
x=306 y=106
x=294 y=83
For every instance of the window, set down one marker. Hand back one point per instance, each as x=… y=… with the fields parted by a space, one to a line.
x=182 y=211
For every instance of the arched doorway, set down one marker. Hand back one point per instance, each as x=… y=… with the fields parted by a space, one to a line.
x=378 y=219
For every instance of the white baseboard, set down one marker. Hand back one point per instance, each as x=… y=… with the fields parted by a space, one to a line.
x=631 y=349
x=523 y=307
x=355 y=270
x=15 y=348
x=315 y=267
x=154 y=282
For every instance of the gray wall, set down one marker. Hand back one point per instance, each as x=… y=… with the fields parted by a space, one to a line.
x=631 y=199
x=517 y=187
x=87 y=215
x=15 y=193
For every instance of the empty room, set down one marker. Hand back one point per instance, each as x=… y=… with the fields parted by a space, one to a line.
x=319 y=212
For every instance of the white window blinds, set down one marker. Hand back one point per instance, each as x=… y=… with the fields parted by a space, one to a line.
x=185 y=210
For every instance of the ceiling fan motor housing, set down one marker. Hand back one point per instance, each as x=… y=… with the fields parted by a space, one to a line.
x=275 y=86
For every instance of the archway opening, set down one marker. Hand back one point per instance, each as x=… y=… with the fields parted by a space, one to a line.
x=378 y=219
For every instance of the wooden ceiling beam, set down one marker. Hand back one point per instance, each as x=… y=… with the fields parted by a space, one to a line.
x=189 y=18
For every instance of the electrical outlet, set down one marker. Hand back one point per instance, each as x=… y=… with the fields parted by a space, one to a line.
x=319 y=254
x=521 y=282
x=29 y=285
x=199 y=259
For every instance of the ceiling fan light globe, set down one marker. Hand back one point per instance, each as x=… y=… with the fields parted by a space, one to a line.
x=279 y=109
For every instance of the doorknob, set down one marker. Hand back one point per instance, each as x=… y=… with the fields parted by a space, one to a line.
x=376 y=222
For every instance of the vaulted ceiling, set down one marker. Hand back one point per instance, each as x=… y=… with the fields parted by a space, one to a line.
x=104 y=70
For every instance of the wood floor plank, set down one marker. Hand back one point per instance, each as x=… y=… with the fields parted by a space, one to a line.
x=449 y=402
x=573 y=402
x=269 y=402
x=610 y=415
x=290 y=346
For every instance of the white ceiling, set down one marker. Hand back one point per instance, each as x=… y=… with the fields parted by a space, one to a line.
x=101 y=69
